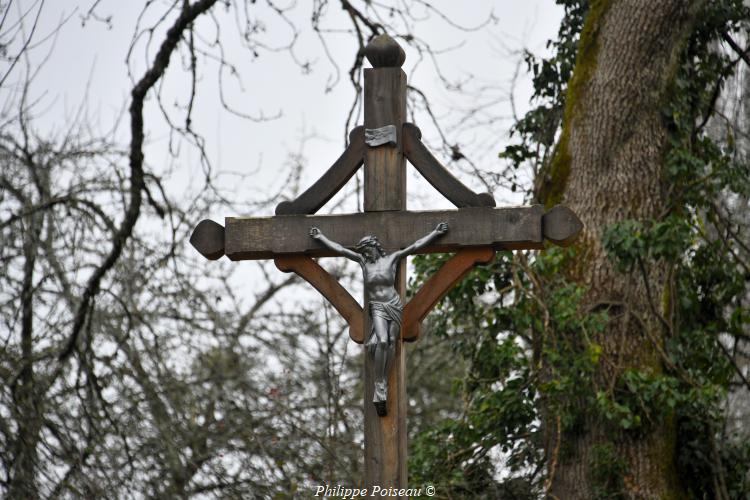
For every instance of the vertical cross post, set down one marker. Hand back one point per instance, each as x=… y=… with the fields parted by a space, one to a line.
x=385 y=190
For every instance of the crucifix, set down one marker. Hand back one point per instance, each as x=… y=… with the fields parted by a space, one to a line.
x=379 y=238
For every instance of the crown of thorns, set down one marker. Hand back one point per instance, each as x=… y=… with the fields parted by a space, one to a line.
x=367 y=241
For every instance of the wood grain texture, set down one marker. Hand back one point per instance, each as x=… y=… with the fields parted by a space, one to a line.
x=561 y=226
x=309 y=270
x=385 y=104
x=503 y=228
x=439 y=285
x=208 y=239
x=384 y=52
x=439 y=176
x=330 y=182
x=385 y=190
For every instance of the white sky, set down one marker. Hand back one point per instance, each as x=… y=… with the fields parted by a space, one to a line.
x=86 y=69
x=87 y=66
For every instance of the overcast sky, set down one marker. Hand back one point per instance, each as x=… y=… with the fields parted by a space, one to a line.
x=86 y=67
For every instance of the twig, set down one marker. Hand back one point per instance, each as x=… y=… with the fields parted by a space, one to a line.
x=649 y=297
x=730 y=358
x=153 y=75
x=25 y=45
x=740 y=52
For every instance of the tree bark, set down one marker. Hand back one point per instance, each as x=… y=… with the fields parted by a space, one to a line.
x=22 y=481
x=606 y=168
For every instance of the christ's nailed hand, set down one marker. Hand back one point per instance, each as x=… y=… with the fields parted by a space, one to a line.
x=315 y=233
x=442 y=228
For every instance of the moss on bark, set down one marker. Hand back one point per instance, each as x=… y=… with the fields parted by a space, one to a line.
x=558 y=170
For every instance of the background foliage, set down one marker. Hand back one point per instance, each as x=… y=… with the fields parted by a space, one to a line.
x=501 y=319
x=130 y=368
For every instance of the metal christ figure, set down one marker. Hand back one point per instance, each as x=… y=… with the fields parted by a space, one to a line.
x=385 y=307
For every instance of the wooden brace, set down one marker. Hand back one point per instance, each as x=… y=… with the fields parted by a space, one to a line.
x=330 y=182
x=439 y=285
x=415 y=310
x=352 y=158
x=439 y=176
x=309 y=270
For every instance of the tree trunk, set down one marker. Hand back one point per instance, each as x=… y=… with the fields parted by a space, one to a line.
x=607 y=167
x=22 y=481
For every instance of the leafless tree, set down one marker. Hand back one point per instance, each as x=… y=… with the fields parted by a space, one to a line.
x=127 y=366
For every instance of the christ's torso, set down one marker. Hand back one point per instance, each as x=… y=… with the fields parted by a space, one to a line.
x=380 y=277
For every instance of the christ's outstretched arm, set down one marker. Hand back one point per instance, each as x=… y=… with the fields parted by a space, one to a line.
x=317 y=234
x=439 y=230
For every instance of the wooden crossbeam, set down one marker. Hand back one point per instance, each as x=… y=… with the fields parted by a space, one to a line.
x=502 y=228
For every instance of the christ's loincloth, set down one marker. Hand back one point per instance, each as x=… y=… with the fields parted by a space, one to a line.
x=393 y=310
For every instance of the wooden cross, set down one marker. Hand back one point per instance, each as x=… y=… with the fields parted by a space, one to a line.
x=477 y=230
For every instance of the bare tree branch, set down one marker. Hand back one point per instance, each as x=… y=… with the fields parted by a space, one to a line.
x=174 y=35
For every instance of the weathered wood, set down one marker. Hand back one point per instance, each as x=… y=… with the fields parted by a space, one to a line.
x=208 y=239
x=439 y=176
x=385 y=104
x=384 y=52
x=330 y=182
x=247 y=238
x=504 y=228
x=329 y=287
x=439 y=285
x=385 y=190
x=561 y=225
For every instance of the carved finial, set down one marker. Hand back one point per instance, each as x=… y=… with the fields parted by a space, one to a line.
x=208 y=239
x=384 y=52
x=561 y=225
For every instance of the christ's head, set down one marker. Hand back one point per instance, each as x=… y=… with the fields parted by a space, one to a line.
x=370 y=247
